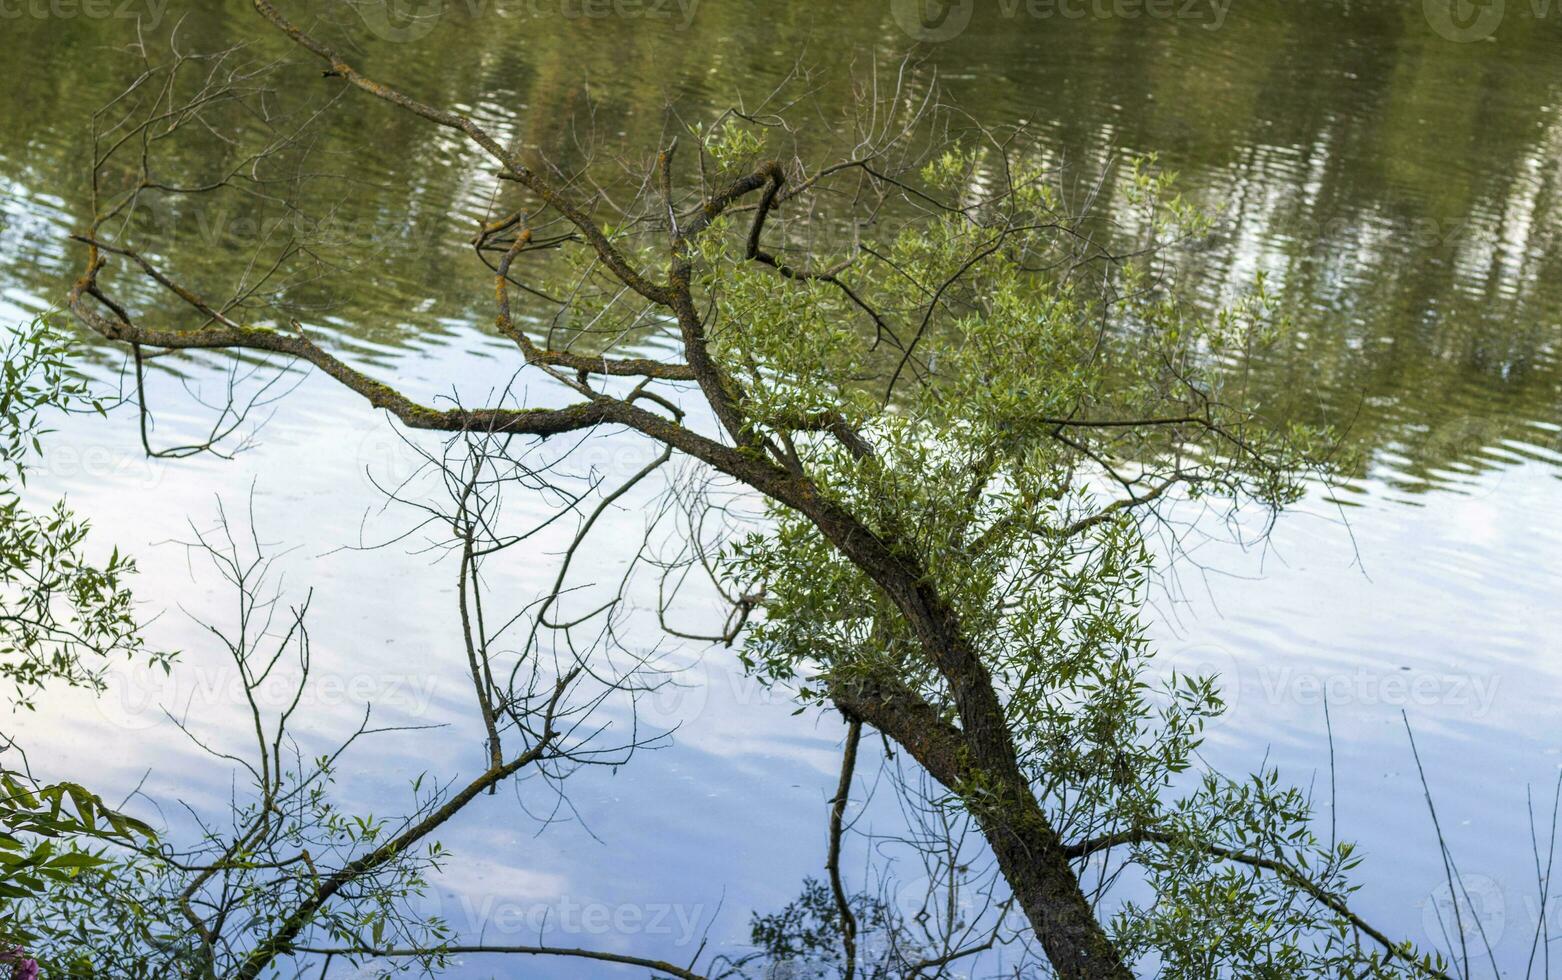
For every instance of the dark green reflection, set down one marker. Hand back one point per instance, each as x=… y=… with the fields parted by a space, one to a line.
x=1398 y=187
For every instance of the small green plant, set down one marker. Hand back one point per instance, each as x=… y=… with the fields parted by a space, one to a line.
x=61 y=617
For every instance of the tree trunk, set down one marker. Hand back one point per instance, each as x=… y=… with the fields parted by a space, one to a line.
x=990 y=783
x=977 y=761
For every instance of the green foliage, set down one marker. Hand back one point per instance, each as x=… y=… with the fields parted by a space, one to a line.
x=803 y=940
x=46 y=833
x=978 y=470
x=58 y=812
x=807 y=928
x=1212 y=917
x=201 y=897
x=1041 y=416
x=61 y=614
x=128 y=915
x=732 y=145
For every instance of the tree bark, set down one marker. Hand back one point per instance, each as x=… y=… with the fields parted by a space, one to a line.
x=1030 y=853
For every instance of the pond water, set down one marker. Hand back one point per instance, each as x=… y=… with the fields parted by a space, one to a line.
x=1394 y=169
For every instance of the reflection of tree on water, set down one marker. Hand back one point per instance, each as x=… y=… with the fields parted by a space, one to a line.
x=1401 y=202
x=1323 y=382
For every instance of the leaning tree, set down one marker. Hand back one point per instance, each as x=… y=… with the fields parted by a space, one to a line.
x=966 y=391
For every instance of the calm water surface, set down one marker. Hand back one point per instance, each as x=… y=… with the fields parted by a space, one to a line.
x=1398 y=187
